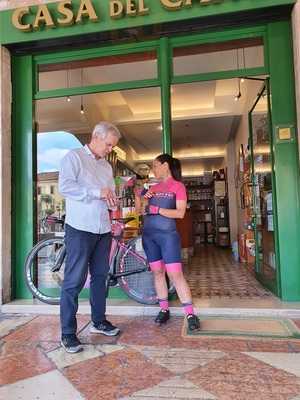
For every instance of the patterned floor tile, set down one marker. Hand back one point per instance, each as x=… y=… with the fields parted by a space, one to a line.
x=288 y=362
x=7 y=325
x=98 y=339
x=42 y=328
x=50 y=386
x=107 y=349
x=175 y=388
x=238 y=376
x=143 y=331
x=11 y=348
x=49 y=346
x=213 y=273
x=63 y=359
x=179 y=360
x=118 y=374
x=274 y=346
x=297 y=322
x=295 y=346
x=23 y=365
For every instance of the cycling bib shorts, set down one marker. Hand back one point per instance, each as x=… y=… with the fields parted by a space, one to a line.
x=161 y=240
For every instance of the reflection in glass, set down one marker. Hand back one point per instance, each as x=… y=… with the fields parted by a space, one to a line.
x=51 y=148
x=213 y=57
x=61 y=127
x=101 y=70
x=263 y=190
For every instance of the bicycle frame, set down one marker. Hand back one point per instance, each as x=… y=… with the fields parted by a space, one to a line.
x=116 y=247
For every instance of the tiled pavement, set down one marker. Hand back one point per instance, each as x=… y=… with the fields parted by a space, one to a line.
x=145 y=362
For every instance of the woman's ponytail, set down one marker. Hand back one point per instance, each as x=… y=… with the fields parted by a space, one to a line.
x=173 y=163
x=176 y=169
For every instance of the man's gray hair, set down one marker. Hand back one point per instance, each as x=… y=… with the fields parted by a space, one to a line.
x=103 y=128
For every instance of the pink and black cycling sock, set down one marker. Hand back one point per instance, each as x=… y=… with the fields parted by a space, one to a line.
x=188 y=308
x=164 y=304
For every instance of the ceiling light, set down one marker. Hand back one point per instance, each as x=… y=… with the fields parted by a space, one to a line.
x=81 y=97
x=68 y=85
x=238 y=96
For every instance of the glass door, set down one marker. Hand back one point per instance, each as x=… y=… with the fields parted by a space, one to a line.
x=264 y=215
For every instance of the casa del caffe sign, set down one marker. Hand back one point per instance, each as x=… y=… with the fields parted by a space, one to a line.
x=69 y=12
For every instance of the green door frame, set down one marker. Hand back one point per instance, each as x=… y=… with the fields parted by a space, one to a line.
x=277 y=40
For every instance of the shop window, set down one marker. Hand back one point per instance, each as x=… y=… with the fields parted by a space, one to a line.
x=51 y=147
x=96 y=71
x=137 y=114
x=216 y=57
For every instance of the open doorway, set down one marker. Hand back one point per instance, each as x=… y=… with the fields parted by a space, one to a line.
x=209 y=129
x=211 y=136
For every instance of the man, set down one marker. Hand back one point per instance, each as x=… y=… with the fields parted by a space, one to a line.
x=86 y=181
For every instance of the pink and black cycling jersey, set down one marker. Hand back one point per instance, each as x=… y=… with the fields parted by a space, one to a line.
x=165 y=195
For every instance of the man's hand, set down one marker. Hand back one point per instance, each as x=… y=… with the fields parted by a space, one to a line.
x=108 y=195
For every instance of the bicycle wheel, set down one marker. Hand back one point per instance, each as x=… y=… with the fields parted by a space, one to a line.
x=138 y=286
x=44 y=270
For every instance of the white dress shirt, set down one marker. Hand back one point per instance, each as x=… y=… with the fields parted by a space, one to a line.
x=81 y=179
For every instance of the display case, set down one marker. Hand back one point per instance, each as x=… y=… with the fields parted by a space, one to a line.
x=222 y=221
x=201 y=202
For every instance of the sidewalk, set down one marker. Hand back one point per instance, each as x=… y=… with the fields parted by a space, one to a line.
x=145 y=362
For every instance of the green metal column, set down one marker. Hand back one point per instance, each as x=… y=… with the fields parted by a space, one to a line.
x=286 y=158
x=23 y=150
x=165 y=78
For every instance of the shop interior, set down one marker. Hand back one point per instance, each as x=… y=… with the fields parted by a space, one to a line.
x=210 y=136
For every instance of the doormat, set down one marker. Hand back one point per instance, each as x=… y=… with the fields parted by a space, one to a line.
x=245 y=327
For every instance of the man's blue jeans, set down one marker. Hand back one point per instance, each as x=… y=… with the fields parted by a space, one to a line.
x=85 y=251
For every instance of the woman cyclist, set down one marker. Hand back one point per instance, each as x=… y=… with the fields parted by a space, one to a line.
x=167 y=201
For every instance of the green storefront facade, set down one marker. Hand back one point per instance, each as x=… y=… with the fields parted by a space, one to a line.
x=43 y=35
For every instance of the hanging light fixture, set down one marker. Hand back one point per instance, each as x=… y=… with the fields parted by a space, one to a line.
x=239 y=94
x=68 y=86
x=81 y=105
x=81 y=97
x=244 y=65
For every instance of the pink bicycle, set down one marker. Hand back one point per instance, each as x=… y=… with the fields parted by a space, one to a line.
x=129 y=269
